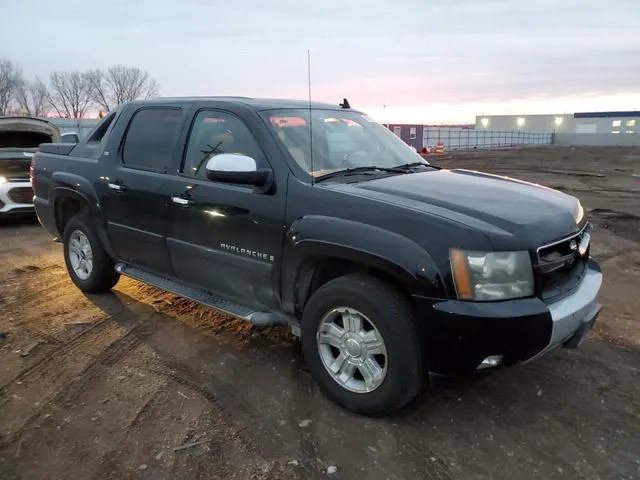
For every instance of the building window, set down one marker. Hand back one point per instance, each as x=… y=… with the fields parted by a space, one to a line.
x=616 y=123
x=631 y=123
x=484 y=122
x=558 y=121
x=412 y=133
x=520 y=122
x=586 y=128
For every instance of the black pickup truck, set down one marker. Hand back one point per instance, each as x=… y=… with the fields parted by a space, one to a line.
x=311 y=215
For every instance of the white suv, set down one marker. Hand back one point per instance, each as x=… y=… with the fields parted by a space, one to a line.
x=16 y=195
x=19 y=140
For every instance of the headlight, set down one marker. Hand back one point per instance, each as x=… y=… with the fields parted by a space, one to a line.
x=579 y=215
x=491 y=275
x=3 y=179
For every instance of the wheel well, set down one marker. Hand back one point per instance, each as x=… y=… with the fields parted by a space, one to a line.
x=323 y=270
x=65 y=208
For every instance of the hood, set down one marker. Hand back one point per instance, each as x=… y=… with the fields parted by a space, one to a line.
x=512 y=213
x=27 y=132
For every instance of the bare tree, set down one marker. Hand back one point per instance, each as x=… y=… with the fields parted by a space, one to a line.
x=10 y=80
x=119 y=84
x=34 y=98
x=70 y=93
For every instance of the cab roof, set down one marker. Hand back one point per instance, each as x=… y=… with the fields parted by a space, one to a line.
x=255 y=103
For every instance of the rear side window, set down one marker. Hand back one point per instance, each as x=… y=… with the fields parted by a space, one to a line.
x=150 y=138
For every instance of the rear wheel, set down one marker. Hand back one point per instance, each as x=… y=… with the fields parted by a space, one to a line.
x=360 y=340
x=88 y=264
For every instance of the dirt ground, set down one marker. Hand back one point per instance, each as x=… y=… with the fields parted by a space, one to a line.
x=141 y=384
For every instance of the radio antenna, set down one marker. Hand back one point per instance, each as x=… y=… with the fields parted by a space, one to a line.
x=310 y=121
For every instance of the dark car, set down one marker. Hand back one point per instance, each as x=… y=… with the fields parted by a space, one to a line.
x=317 y=217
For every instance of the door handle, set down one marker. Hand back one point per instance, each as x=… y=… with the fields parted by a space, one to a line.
x=117 y=187
x=181 y=201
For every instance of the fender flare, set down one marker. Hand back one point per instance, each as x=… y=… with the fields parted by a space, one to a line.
x=69 y=185
x=314 y=237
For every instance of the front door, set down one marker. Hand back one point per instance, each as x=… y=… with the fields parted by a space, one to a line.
x=222 y=237
x=134 y=207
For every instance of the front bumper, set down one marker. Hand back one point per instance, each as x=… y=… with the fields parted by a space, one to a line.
x=15 y=199
x=461 y=336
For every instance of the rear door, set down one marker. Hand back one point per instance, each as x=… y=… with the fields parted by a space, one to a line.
x=134 y=208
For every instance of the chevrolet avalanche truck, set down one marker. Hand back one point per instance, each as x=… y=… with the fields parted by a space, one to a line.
x=314 y=216
x=19 y=140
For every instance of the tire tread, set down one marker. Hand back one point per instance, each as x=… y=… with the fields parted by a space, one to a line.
x=103 y=276
x=398 y=316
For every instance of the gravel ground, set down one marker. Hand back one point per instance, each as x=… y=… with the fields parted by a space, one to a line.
x=141 y=384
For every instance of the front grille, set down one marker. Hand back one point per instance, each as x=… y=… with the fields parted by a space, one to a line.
x=559 y=267
x=21 y=195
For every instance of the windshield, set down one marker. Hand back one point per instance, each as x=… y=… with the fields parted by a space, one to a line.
x=340 y=140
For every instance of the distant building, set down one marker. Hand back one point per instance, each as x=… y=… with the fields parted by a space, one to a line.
x=617 y=123
x=411 y=134
x=414 y=134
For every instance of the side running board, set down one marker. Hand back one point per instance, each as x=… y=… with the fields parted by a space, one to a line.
x=203 y=297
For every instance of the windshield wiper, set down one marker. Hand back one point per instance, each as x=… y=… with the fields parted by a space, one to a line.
x=406 y=166
x=356 y=170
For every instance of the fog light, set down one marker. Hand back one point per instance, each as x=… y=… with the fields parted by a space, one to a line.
x=490 y=361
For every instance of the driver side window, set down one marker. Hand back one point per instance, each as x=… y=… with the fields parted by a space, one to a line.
x=213 y=133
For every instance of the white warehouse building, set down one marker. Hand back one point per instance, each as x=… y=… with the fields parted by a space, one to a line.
x=610 y=123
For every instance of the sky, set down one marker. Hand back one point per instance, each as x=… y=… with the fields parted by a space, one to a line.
x=422 y=61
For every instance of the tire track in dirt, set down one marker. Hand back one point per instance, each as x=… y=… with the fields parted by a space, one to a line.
x=28 y=270
x=39 y=293
x=305 y=388
x=133 y=330
x=220 y=393
x=252 y=428
x=69 y=391
x=428 y=464
x=236 y=411
x=220 y=445
x=60 y=358
x=43 y=382
x=52 y=353
x=143 y=321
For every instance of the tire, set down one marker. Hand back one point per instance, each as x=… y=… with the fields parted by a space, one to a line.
x=101 y=276
x=402 y=374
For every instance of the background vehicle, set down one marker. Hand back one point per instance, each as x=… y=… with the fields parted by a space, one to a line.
x=317 y=217
x=19 y=140
x=69 y=137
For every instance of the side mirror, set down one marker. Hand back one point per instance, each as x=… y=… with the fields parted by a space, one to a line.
x=237 y=168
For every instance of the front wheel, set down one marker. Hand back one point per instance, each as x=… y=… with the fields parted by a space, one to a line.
x=360 y=340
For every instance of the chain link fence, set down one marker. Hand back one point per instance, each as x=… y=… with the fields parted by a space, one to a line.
x=467 y=138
